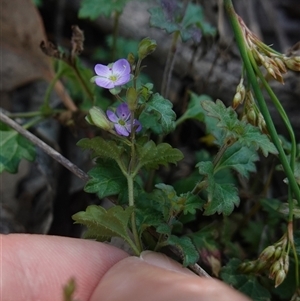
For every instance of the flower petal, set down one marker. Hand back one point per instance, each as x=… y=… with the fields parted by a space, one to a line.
x=123 y=111
x=104 y=82
x=121 y=67
x=137 y=125
x=122 y=80
x=121 y=130
x=112 y=116
x=103 y=70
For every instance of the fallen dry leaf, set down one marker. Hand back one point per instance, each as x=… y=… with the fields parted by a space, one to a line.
x=22 y=32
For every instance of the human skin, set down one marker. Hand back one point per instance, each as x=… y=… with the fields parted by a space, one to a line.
x=36 y=267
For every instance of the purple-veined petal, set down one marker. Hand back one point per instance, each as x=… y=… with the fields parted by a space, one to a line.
x=103 y=70
x=121 y=67
x=112 y=116
x=122 y=80
x=128 y=126
x=123 y=111
x=104 y=82
x=136 y=124
x=121 y=130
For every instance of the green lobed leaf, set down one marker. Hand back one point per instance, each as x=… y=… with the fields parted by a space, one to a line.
x=247 y=284
x=92 y=9
x=164 y=228
x=240 y=158
x=252 y=136
x=154 y=203
x=101 y=148
x=188 y=249
x=106 y=179
x=192 y=203
x=14 y=148
x=159 y=19
x=151 y=155
x=222 y=200
x=245 y=133
x=222 y=197
x=158 y=115
x=104 y=224
x=191 y=25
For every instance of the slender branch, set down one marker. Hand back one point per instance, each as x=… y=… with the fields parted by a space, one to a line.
x=196 y=268
x=46 y=148
x=33 y=114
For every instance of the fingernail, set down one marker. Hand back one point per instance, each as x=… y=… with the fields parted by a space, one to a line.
x=163 y=261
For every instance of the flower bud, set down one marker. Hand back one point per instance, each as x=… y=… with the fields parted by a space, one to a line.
x=292 y=63
x=280 y=65
x=278 y=252
x=279 y=278
x=131 y=58
x=98 y=118
x=146 y=47
x=247 y=267
x=274 y=269
x=267 y=253
x=241 y=88
x=237 y=100
x=251 y=116
x=286 y=263
x=132 y=97
x=260 y=265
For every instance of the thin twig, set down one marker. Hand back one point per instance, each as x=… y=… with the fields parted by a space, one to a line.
x=196 y=268
x=46 y=148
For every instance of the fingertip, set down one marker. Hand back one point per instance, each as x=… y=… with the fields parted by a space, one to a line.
x=134 y=278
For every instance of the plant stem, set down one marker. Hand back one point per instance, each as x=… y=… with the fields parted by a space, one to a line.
x=260 y=99
x=289 y=127
x=46 y=148
x=51 y=87
x=83 y=83
x=169 y=66
x=292 y=243
x=250 y=69
x=32 y=114
x=133 y=220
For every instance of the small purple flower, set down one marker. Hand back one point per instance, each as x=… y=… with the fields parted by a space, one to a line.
x=121 y=120
x=113 y=75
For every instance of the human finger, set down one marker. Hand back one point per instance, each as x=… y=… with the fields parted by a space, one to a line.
x=156 y=278
x=36 y=267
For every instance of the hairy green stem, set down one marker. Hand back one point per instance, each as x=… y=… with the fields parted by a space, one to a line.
x=133 y=219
